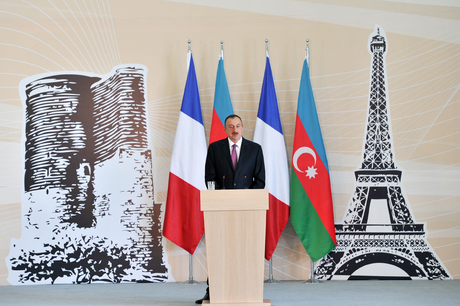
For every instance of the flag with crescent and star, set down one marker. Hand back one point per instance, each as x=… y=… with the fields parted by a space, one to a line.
x=269 y=134
x=222 y=104
x=312 y=214
x=184 y=221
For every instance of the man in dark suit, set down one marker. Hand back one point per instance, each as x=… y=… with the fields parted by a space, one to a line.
x=234 y=163
x=250 y=169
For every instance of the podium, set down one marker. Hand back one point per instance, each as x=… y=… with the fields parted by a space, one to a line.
x=234 y=221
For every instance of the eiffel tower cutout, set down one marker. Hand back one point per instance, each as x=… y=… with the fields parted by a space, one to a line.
x=379 y=238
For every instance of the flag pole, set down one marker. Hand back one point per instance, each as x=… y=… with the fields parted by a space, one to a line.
x=222 y=49
x=190 y=256
x=266 y=47
x=270 y=279
x=307 y=52
x=312 y=279
x=270 y=262
x=190 y=280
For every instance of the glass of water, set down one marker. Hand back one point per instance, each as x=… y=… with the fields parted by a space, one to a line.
x=211 y=185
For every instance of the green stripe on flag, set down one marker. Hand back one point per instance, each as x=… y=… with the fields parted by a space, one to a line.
x=306 y=222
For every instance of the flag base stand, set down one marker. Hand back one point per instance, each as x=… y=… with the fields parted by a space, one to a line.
x=312 y=282
x=190 y=280
x=312 y=279
x=270 y=279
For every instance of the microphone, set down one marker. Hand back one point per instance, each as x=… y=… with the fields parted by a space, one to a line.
x=245 y=185
x=223 y=182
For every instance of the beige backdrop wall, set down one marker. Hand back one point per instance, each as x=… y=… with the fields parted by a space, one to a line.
x=423 y=69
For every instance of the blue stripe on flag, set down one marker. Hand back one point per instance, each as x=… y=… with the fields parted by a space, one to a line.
x=222 y=102
x=306 y=109
x=268 y=104
x=191 y=105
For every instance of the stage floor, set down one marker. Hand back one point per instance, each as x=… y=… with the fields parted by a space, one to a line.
x=289 y=293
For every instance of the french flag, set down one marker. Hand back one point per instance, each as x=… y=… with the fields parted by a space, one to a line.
x=222 y=105
x=183 y=221
x=269 y=134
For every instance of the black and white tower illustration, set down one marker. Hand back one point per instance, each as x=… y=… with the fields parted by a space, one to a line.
x=88 y=209
x=378 y=237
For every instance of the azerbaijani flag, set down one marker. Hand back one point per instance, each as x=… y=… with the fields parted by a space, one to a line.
x=222 y=105
x=269 y=134
x=183 y=221
x=312 y=214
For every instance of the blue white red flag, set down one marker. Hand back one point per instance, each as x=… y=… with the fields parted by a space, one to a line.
x=183 y=222
x=269 y=134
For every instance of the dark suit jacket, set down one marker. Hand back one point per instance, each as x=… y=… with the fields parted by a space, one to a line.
x=250 y=171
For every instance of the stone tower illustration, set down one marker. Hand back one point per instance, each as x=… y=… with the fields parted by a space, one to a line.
x=378 y=237
x=88 y=207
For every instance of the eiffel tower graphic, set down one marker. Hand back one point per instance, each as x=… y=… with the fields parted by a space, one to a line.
x=379 y=238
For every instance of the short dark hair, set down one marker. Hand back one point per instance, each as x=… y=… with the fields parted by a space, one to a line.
x=231 y=117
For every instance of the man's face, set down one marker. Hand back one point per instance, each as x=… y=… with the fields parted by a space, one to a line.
x=234 y=129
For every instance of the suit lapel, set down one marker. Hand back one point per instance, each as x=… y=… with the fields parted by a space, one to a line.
x=243 y=153
x=226 y=151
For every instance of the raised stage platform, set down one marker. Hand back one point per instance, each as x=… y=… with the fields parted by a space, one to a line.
x=286 y=293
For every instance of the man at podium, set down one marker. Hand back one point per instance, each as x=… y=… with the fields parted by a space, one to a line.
x=234 y=163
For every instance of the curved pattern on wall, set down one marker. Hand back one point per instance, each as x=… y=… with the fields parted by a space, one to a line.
x=423 y=81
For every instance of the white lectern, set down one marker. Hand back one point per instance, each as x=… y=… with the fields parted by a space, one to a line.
x=234 y=221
